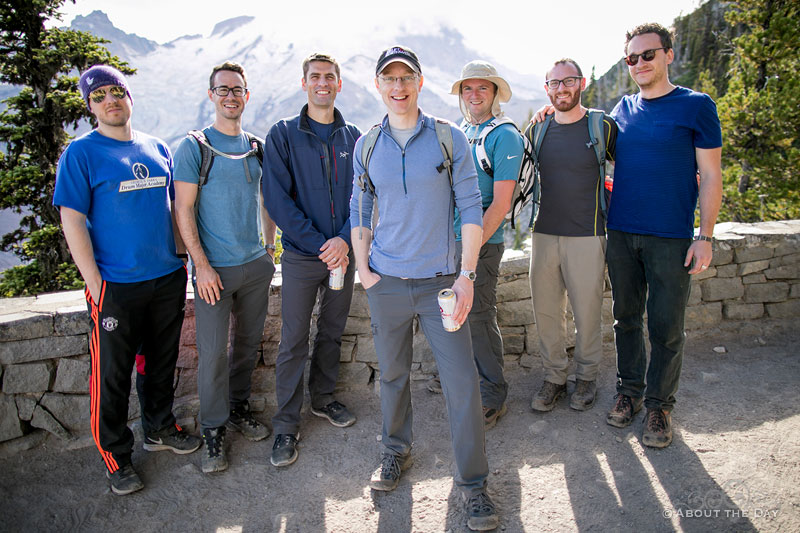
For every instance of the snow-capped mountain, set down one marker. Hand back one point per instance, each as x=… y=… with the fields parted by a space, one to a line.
x=169 y=88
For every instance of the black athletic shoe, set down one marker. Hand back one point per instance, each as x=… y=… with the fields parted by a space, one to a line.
x=387 y=475
x=173 y=439
x=284 y=450
x=336 y=413
x=242 y=420
x=214 y=459
x=125 y=480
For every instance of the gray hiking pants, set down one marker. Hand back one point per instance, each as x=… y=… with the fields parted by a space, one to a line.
x=393 y=304
x=303 y=278
x=224 y=378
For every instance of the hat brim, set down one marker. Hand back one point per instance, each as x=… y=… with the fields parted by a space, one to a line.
x=503 y=89
x=402 y=60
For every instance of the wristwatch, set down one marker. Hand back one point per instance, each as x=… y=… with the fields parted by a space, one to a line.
x=270 y=247
x=704 y=238
x=469 y=274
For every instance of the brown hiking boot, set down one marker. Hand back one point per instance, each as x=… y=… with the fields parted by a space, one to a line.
x=547 y=396
x=623 y=411
x=490 y=416
x=657 y=429
x=583 y=397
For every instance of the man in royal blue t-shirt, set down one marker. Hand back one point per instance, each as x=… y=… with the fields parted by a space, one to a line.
x=113 y=188
x=667 y=134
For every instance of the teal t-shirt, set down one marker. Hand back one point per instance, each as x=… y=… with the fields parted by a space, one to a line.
x=228 y=210
x=504 y=148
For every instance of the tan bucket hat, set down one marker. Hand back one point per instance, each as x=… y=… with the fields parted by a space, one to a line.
x=481 y=70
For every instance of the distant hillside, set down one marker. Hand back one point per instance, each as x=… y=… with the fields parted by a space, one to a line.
x=702 y=42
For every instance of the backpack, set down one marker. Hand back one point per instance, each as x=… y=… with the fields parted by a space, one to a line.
x=535 y=135
x=208 y=152
x=443 y=133
x=526 y=184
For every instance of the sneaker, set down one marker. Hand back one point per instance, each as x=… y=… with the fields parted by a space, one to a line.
x=435 y=385
x=284 y=451
x=547 y=396
x=481 y=512
x=490 y=416
x=623 y=411
x=336 y=413
x=214 y=459
x=387 y=475
x=584 y=395
x=174 y=439
x=241 y=419
x=657 y=429
x=125 y=480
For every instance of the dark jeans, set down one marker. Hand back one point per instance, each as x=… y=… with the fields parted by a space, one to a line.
x=648 y=270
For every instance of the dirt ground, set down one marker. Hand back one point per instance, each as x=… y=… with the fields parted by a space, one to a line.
x=734 y=464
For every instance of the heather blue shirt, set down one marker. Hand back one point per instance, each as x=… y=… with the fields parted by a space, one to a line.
x=228 y=210
x=655 y=175
x=414 y=236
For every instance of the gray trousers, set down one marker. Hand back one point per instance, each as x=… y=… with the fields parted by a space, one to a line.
x=571 y=267
x=303 y=278
x=393 y=304
x=487 y=342
x=224 y=378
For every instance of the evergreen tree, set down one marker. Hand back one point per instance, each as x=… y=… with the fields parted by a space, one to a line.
x=589 y=96
x=43 y=63
x=760 y=113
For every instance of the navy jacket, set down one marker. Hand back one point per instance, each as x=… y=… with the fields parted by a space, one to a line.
x=306 y=192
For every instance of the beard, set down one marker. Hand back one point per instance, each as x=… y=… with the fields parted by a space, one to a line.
x=563 y=106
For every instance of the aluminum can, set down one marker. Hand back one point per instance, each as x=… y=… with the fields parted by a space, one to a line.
x=447 y=306
x=336 y=279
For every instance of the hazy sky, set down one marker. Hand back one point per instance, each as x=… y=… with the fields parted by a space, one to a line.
x=526 y=36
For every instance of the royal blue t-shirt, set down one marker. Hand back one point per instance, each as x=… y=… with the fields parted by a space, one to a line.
x=655 y=174
x=124 y=189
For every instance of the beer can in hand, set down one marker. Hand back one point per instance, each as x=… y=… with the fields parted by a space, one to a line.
x=447 y=306
x=336 y=279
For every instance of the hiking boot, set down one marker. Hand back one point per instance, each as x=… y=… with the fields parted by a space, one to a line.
x=387 y=475
x=284 y=451
x=243 y=421
x=623 y=411
x=336 y=413
x=490 y=416
x=547 y=396
x=174 y=439
x=583 y=397
x=435 y=385
x=125 y=480
x=481 y=512
x=657 y=428
x=214 y=459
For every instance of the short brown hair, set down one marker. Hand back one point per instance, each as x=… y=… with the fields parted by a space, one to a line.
x=228 y=65
x=321 y=56
x=566 y=61
x=650 y=27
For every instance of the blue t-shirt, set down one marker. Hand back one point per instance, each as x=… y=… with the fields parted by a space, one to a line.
x=228 y=210
x=504 y=149
x=655 y=175
x=124 y=189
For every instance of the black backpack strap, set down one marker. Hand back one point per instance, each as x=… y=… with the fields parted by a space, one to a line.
x=206 y=156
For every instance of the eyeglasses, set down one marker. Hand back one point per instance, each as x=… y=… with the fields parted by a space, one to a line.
x=98 y=95
x=404 y=80
x=568 y=82
x=647 y=55
x=224 y=90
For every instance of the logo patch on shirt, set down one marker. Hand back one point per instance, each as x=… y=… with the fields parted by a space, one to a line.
x=110 y=323
x=344 y=154
x=147 y=183
x=140 y=171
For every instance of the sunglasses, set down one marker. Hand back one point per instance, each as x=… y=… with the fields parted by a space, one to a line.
x=98 y=95
x=647 y=55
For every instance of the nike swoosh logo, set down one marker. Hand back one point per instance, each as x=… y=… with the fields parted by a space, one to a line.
x=156 y=441
x=511 y=156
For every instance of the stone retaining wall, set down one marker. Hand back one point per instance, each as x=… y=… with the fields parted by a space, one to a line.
x=44 y=361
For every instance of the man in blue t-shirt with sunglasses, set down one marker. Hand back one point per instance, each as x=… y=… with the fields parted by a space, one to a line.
x=668 y=154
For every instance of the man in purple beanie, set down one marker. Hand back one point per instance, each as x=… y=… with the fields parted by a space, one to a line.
x=114 y=189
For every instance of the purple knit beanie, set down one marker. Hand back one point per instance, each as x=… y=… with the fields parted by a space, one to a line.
x=100 y=76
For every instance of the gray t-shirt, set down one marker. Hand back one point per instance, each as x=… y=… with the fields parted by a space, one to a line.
x=571 y=186
x=402 y=135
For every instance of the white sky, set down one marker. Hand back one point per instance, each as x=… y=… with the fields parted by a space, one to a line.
x=526 y=36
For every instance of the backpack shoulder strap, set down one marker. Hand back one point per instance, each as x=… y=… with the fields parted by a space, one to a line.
x=598 y=138
x=206 y=156
x=363 y=181
x=480 y=142
x=256 y=144
x=445 y=136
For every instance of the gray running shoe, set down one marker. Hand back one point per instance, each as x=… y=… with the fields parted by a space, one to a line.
x=174 y=439
x=241 y=419
x=214 y=459
x=284 y=450
x=482 y=513
x=125 y=480
x=387 y=475
x=336 y=413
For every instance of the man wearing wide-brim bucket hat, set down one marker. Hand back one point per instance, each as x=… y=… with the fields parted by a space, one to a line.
x=497 y=149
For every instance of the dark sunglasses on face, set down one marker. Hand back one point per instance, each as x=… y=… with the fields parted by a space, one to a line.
x=98 y=95
x=647 y=55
